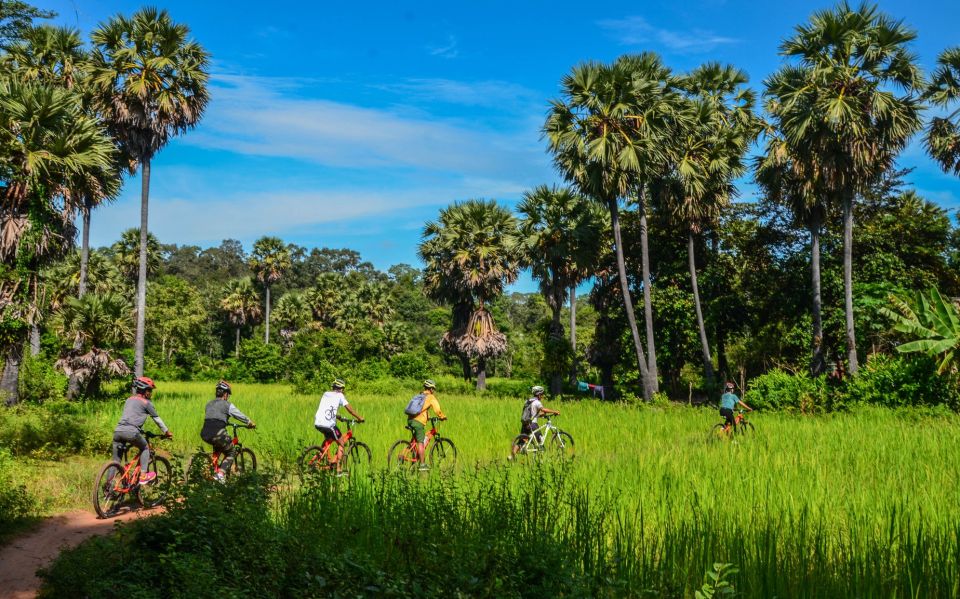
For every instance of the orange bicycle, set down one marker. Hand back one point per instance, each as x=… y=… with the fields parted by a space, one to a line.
x=741 y=426
x=319 y=458
x=207 y=465
x=116 y=482
x=441 y=452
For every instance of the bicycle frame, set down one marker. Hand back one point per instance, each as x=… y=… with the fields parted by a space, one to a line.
x=542 y=431
x=131 y=471
x=328 y=444
x=413 y=447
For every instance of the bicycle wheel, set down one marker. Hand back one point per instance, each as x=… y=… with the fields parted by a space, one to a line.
x=559 y=442
x=109 y=489
x=746 y=427
x=153 y=494
x=245 y=462
x=357 y=458
x=311 y=460
x=401 y=456
x=197 y=467
x=443 y=454
x=719 y=433
x=519 y=447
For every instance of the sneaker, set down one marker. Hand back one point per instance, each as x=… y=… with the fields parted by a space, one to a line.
x=342 y=473
x=220 y=477
x=423 y=468
x=147 y=477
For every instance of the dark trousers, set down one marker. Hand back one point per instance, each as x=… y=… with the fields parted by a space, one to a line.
x=131 y=437
x=222 y=442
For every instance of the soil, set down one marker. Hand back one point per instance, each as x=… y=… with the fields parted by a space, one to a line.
x=22 y=557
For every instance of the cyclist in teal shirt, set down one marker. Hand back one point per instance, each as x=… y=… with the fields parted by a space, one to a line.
x=729 y=401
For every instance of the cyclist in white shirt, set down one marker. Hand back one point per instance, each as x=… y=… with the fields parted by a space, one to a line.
x=325 y=420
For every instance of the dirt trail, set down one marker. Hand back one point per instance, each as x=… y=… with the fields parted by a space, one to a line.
x=22 y=557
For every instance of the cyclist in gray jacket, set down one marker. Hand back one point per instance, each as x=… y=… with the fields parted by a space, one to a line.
x=129 y=431
x=216 y=414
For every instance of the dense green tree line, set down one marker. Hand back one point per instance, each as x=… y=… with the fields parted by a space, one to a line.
x=652 y=157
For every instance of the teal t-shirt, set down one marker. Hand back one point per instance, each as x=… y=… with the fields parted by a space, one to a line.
x=729 y=401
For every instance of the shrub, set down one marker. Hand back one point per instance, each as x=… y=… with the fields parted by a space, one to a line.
x=257 y=362
x=53 y=429
x=898 y=381
x=780 y=390
x=16 y=505
x=410 y=365
x=39 y=382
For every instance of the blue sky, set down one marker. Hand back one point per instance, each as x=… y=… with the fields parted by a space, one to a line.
x=351 y=124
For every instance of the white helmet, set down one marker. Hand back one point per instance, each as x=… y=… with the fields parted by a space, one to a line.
x=536 y=390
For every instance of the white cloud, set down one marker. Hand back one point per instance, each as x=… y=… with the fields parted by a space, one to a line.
x=500 y=94
x=635 y=30
x=448 y=50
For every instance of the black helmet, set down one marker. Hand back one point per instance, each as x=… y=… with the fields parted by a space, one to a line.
x=223 y=388
x=142 y=384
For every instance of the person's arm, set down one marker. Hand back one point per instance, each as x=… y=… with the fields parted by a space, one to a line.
x=740 y=401
x=544 y=411
x=436 y=408
x=236 y=413
x=152 y=412
x=353 y=413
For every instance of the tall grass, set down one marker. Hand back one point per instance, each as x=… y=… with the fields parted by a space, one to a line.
x=858 y=504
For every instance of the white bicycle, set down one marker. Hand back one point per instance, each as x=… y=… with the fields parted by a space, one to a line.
x=547 y=439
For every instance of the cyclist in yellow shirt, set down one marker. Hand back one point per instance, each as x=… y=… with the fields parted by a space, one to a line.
x=418 y=423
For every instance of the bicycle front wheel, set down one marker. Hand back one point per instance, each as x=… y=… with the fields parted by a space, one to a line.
x=443 y=454
x=109 y=490
x=153 y=494
x=560 y=443
x=401 y=455
x=357 y=458
x=311 y=460
x=746 y=427
x=245 y=462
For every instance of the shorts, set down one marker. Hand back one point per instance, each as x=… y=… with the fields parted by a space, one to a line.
x=419 y=430
x=727 y=414
x=528 y=429
x=330 y=433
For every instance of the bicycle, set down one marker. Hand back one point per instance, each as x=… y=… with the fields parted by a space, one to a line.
x=319 y=458
x=244 y=459
x=741 y=426
x=441 y=452
x=547 y=438
x=118 y=480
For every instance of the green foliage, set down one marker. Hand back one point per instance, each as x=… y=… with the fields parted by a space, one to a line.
x=895 y=381
x=932 y=323
x=39 y=382
x=411 y=365
x=780 y=390
x=715 y=583
x=257 y=362
x=54 y=429
x=16 y=505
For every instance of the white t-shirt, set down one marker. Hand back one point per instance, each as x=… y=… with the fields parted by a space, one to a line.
x=327 y=411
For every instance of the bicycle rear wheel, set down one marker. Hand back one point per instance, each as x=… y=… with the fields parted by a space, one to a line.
x=357 y=458
x=109 y=490
x=518 y=449
x=718 y=432
x=245 y=462
x=560 y=443
x=401 y=455
x=746 y=427
x=153 y=494
x=443 y=455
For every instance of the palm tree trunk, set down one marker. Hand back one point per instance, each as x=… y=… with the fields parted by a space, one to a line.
x=10 y=382
x=34 y=340
x=481 y=374
x=573 y=335
x=266 y=333
x=142 y=275
x=73 y=384
x=647 y=302
x=236 y=345
x=465 y=365
x=627 y=302
x=556 y=331
x=852 y=365
x=704 y=344
x=816 y=361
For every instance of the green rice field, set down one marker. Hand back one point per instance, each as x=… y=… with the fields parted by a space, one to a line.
x=865 y=503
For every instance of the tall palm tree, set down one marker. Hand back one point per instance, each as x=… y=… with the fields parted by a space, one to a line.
x=241 y=302
x=559 y=232
x=708 y=153
x=943 y=134
x=151 y=84
x=325 y=299
x=125 y=254
x=270 y=260
x=605 y=136
x=291 y=314
x=853 y=98
x=791 y=179
x=46 y=141
x=471 y=254
x=47 y=54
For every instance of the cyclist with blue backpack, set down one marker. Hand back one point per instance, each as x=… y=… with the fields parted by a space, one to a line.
x=325 y=420
x=416 y=412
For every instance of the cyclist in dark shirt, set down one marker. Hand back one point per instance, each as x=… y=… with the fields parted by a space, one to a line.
x=214 y=432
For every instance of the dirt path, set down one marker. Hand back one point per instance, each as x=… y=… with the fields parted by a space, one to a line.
x=22 y=557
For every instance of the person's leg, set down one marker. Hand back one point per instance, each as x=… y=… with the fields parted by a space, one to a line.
x=223 y=444
x=420 y=434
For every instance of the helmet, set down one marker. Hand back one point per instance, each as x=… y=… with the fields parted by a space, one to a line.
x=223 y=388
x=729 y=386
x=338 y=384
x=429 y=384
x=536 y=390
x=143 y=384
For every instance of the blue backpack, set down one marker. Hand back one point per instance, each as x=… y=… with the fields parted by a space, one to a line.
x=415 y=406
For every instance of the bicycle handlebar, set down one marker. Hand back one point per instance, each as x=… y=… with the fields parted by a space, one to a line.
x=350 y=421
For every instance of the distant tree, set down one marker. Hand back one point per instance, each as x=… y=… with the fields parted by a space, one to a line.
x=16 y=17
x=125 y=253
x=151 y=84
x=177 y=317
x=291 y=314
x=241 y=302
x=101 y=323
x=270 y=260
x=943 y=134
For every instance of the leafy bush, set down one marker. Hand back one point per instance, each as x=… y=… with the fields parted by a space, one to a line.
x=779 y=390
x=257 y=362
x=39 y=382
x=52 y=429
x=411 y=365
x=897 y=381
x=16 y=505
